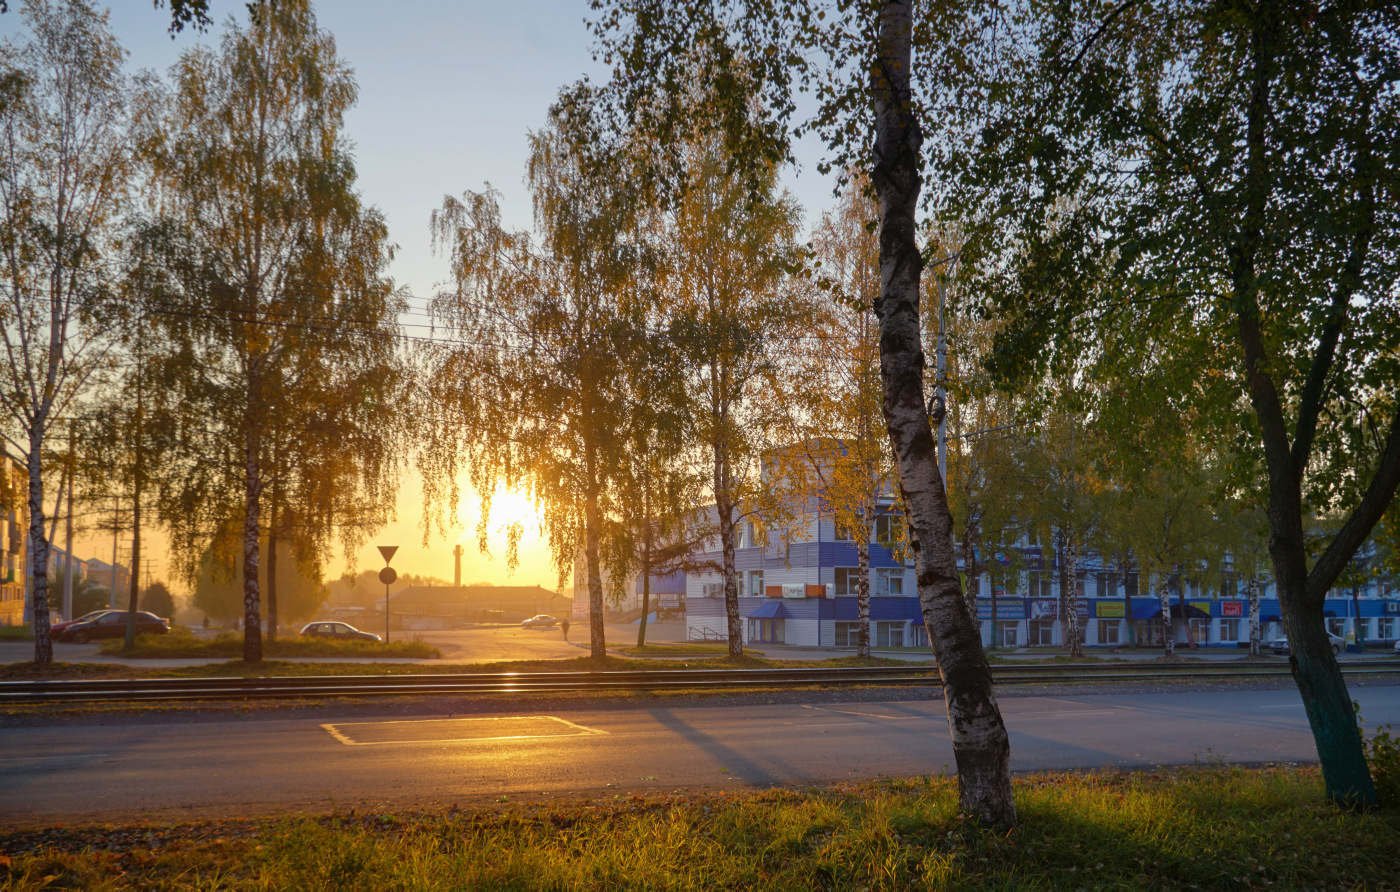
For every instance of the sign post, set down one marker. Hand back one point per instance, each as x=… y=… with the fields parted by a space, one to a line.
x=387 y=576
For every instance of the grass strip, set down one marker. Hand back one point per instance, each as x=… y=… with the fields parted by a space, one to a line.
x=1206 y=827
x=183 y=644
x=29 y=671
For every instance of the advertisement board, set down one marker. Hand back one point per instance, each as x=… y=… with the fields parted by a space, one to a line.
x=1110 y=609
x=1232 y=608
x=1010 y=608
x=1044 y=608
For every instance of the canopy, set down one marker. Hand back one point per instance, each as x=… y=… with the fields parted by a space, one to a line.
x=1147 y=611
x=1192 y=612
x=770 y=610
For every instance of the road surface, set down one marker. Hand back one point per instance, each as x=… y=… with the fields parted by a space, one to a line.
x=267 y=763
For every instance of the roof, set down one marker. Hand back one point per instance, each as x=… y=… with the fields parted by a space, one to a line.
x=478 y=595
x=770 y=610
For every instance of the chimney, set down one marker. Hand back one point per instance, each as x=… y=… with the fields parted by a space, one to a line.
x=457 y=568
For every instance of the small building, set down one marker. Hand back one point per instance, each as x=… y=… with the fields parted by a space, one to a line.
x=463 y=603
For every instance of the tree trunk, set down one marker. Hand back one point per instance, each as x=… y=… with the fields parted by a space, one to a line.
x=1168 y=633
x=1252 y=591
x=1356 y=617
x=597 y=645
x=1071 y=578
x=863 y=590
x=133 y=599
x=38 y=548
x=272 y=575
x=252 y=490
x=1181 y=607
x=731 y=583
x=981 y=749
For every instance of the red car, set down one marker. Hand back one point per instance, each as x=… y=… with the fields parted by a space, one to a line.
x=56 y=630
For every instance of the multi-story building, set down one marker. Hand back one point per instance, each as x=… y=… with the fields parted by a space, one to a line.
x=801 y=590
x=14 y=524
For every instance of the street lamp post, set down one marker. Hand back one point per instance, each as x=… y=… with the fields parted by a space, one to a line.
x=387 y=576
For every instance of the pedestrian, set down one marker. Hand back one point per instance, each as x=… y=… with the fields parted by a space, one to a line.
x=564 y=624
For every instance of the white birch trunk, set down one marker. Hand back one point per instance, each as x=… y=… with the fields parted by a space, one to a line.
x=1168 y=633
x=1071 y=599
x=863 y=592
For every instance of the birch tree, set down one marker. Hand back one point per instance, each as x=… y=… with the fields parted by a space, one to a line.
x=1231 y=197
x=838 y=458
x=534 y=389
x=858 y=61
x=275 y=293
x=728 y=244
x=66 y=161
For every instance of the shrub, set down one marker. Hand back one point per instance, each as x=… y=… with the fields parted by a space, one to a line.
x=1383 y=752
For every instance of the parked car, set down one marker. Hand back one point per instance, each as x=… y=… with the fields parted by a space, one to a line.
x=1397 y=647
x=56 y=630
x=1280 y=644
x=110 y=624
x=338 y=631
x=540 y=621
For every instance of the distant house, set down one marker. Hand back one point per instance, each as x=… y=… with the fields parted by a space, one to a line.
x=14 y=534
x=472 y=602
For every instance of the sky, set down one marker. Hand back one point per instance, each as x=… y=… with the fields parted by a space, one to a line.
x=448 y=92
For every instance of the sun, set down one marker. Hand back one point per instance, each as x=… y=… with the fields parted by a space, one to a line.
x=507 y=507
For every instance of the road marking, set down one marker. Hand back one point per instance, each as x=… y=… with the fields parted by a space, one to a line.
x=453 y=730
x=829 y=725
x=873 y=715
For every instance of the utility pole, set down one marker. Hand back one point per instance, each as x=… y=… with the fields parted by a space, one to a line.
x=68 y=528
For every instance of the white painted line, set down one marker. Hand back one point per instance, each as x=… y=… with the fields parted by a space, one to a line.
x=873 y=715
x=334 y=730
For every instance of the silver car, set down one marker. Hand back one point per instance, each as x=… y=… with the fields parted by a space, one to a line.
x=1280 y=644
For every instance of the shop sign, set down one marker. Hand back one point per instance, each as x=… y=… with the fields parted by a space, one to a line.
x=794 y=590
x=1110 y=610
x=1232 y=608
x=1011 y=608
x=1044 y=608
x=1203 y=606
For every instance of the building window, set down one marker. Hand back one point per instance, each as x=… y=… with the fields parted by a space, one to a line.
x=889 y=634
x=889 y=582
x=1229 y=630
x=918 y=637
x=1200 y=630
x=848 y=634
x=1042 y=632
x=889 y=528
x=1108 y=631
x=756 y=583
x=1007 y=632
x=713 y=589
x=843 y=530
x=1336 y=625
x=1149 y=632
x=1038 y=584
x=767 y=631
x=847 y=580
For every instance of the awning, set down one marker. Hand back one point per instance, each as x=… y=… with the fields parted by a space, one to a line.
x=1147 y=611
x=1330 y=614
x=917 y=621
x=1271 y=618
x=770 y=610
x=1192 y=612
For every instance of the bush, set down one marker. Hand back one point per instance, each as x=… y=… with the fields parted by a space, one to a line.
x=1383 y=752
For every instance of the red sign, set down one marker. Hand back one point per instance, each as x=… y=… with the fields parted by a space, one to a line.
x=1232 y=608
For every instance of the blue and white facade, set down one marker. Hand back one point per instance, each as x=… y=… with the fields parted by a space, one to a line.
x=801 y=590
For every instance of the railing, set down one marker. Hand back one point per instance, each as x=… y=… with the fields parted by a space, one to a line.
x=630 y=680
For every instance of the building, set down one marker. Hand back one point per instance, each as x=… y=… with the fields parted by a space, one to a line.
x=14 y=537
x=445 y=606
x=801 y=590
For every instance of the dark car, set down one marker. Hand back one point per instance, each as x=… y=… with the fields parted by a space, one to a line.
x=110 y=624
x=338 y=631
x=56 y=630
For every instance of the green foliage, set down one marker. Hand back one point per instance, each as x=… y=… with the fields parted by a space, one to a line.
x=1207 y=828
x=218 y=585
x=1383 y=755
x=157 y=599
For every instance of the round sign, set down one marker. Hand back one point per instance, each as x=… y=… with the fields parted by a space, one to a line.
x=388 y=575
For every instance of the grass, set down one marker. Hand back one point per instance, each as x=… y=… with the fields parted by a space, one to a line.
x=16 y=633
x=1210 y=827
x=182 y=644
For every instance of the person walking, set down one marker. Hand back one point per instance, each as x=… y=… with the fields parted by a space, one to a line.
x=564 y=624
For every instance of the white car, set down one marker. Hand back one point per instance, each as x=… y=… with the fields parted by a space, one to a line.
x=1280 y=644
x=1397 y=647
x=541 y=621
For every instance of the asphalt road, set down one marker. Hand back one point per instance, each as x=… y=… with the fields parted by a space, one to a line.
x=166 y=769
